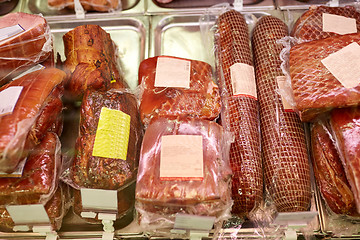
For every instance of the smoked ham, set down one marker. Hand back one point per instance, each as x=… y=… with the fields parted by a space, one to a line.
x=284 y=152
x=38 y=105
x=25 y=49
x=91 y=61
x=240 y=115
x=201 y=100
x=88 y=5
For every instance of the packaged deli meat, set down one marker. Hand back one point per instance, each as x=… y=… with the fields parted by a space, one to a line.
x=316 y=23
x=171 y=87
x=329 y=172
x=36 y=111
x=346 y=126
x=183 y=168
x=284 y=151
x=88 y=5
x=91 y=61
x=240 y=113
x=25 y=40
x=324 y=75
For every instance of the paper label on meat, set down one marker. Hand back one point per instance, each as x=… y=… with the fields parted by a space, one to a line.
x=28 y=214
x=8 y=99
x=99 y=199
x=172 y=72
x=338 y=24
x=10 y=31
x=281 y=81
x=243 y=80
x=112 y=134
x=181 y=157
x=345 y=65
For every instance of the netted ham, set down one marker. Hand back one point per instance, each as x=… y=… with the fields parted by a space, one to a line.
x=346 y=125
x=315 y=88
x=37 y=111
x=286 y=164
x=310 y=25
x=26 y=43
x=103 y=171
x=91 y=60
x=201 y=99
x=329 y=172
x=240 y=115
x=164 y=189
x=88 y=5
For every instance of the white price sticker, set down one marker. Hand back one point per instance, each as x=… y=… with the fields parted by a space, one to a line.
x=172 y=72
x=243 y=80
x=8 y=99
x=33 y=214
x=338 y=24
x=10 y=31
x=98 y=199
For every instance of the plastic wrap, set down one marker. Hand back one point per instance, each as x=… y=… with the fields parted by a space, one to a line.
x=240 y=113
x=25 y=49
x=91 y=61
x=158 y=199
x=284 y=151
x=88 y=5
x=310 y=24
x=36 y=111
x=201 y=99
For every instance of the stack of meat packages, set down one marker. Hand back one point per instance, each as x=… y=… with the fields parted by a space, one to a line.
x=110 y=131
x=184 y=167
x=325 y=82
x=30 y=120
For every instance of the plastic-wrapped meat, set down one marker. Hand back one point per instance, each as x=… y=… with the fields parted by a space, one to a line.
x=106 y=172
x=240 y=115
x=35 y=112
x=315 y=89
x=201 y=100
x=346 y=126
x=329 y=172
x=88 y=5
x=286 y=163
x=91 y=60
x=27 y=48
x=159 y=197
x=310 y=25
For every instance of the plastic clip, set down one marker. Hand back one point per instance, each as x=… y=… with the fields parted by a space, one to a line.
x=238 y=5
x=198 y=235
x=334 y=3
x=79 y=10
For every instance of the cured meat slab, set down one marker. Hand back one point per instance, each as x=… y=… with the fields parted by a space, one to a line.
x=33 y=114
x=24 y=49
x=315 y=89
x=284 y=152
x=201 y=100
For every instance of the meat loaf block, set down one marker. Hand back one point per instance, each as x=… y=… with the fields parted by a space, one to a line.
x=315 y=88
x=106 y=172
x=35 y=112
x=27 y=48
x=201 y=100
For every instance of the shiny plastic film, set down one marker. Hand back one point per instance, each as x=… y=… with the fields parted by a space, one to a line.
x=25 y=40
x=87 y=5
x=169 y=184
x=186 y=90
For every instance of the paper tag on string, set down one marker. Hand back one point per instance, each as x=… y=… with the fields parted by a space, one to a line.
x=172 y=72
x=345 y=65
x=338 y=24
x=11 y=31
x=181 y=157
x=243 y=80
x=8 y=99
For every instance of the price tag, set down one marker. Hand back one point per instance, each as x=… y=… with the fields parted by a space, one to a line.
x=193 y=222
x=33 y=214
x=8 y=99
x=99 y=199
x=181 y=157
x=243 y=80
x=172 y=72
x=338 y=24
x=10 y=31
x=295 y=218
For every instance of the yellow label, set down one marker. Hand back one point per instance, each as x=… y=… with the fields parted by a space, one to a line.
x=112 y=134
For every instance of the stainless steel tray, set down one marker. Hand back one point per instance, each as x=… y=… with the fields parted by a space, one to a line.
x=292 y=4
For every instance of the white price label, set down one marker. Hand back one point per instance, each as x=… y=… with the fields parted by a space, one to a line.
x=8 y=99
x=98 y=199
x=10 y=31
x=243 y=80
x=33 y=214
x=172 y=72
x=193 y=222
x=338 y=24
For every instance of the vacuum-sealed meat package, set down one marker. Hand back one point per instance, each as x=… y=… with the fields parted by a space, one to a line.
x=88 y=5
x=25 y=40
x=183 y=168
x=37 y=109
x=171 y=87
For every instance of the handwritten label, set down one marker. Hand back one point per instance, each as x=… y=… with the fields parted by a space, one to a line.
x=243 y=80
x=338 y=24
x=181 y=157
x=10 y=31
x=112 y=134
x=172 y=72
x=8 y=99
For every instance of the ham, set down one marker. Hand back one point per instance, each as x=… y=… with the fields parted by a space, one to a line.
x=201 y=100
x=38 y=105
x=25 y=49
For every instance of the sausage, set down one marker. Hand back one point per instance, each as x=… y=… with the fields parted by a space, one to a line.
x=286 y=164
